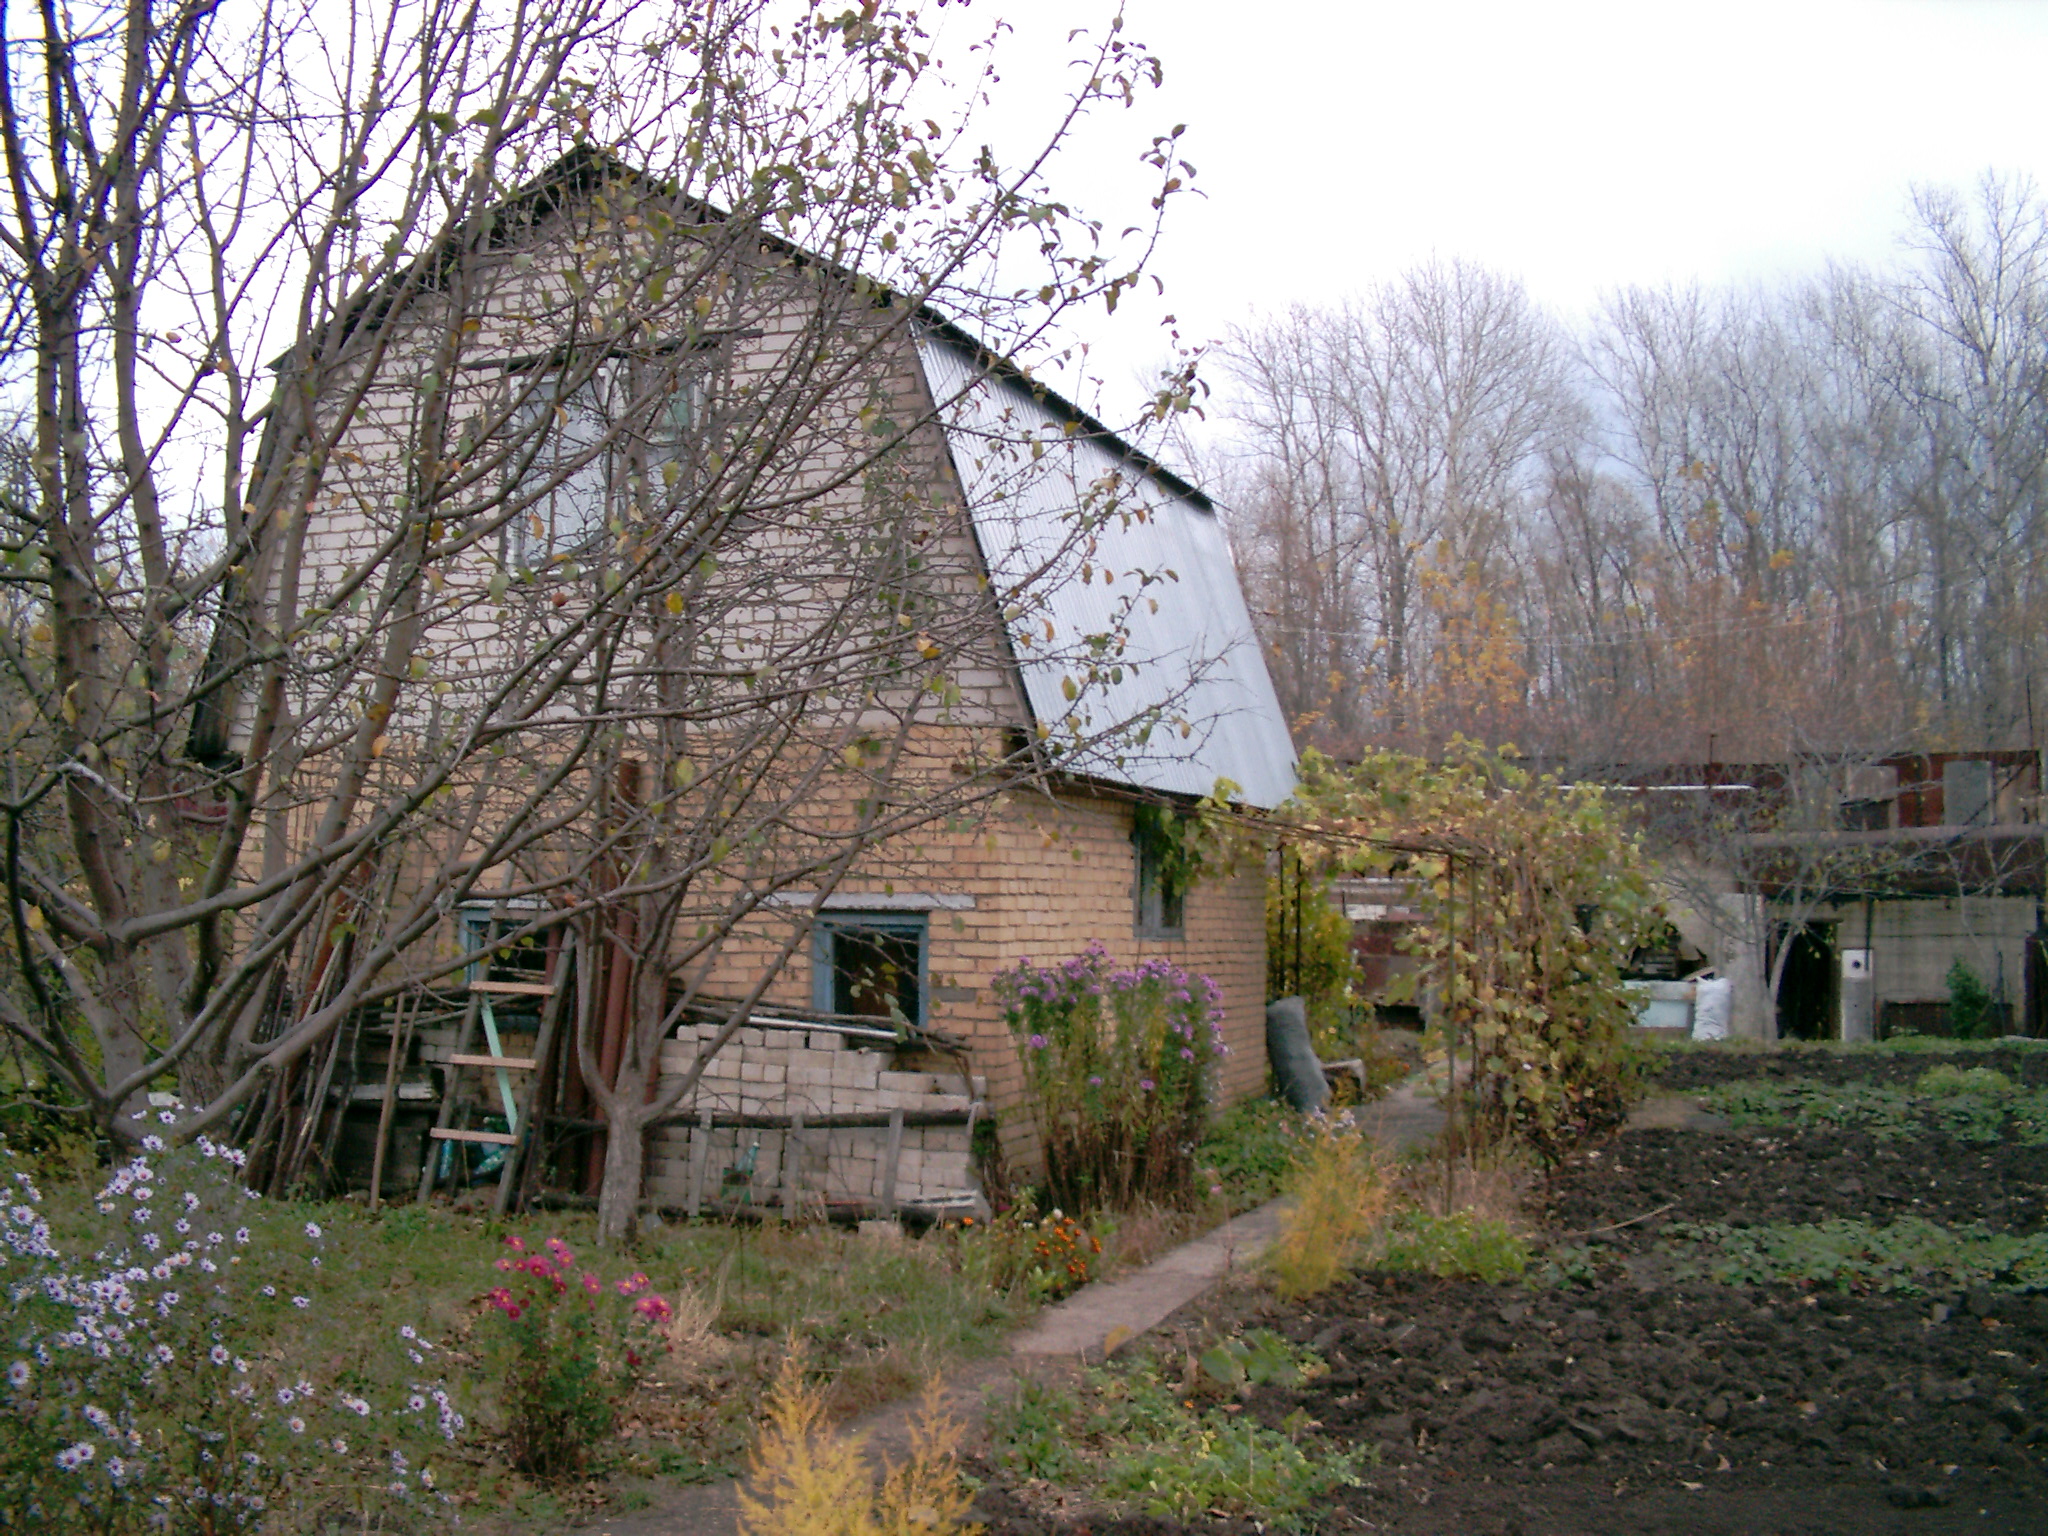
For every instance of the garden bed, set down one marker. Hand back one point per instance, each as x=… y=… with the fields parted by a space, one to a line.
x=1762 y=1328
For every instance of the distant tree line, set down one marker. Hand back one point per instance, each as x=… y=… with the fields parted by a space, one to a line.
x=1725 y=524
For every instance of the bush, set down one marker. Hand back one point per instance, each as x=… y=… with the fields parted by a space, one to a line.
x=1118 y=1066
x=570 y=1350
x=1340 y=1194
x=142 y=1387
x=1971 y=1013
x=1947 y=1080
x=1325 y=976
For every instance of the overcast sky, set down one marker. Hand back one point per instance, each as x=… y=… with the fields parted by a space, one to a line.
x=1577 y=146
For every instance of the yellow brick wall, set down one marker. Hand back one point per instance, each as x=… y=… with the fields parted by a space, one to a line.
x=1049 y=875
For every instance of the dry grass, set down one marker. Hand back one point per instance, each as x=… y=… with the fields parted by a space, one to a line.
x=1492 y=1186
x=1341 y=1190
x=805 y=1480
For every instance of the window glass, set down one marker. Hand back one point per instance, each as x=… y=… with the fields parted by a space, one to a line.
x=1161 y=903
x=628 y=418
x=870 y=966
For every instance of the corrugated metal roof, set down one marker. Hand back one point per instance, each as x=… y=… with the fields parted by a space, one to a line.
x=1071 y=521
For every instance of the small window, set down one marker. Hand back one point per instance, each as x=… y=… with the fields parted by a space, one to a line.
x=1161 y=899
x=870 y=965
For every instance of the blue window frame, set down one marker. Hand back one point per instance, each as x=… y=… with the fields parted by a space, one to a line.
x=871 y=964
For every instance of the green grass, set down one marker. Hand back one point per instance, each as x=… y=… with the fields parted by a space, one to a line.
x=1461 y=1245
x=1910 y=1256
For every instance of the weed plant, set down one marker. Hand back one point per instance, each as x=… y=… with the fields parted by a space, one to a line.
x=1118 y=1066
x=1248 y=1151
x=805 y=1480
x=1128 y=1435
x=1910 y=1256
x=1339 y=1187
x=1462 y=1245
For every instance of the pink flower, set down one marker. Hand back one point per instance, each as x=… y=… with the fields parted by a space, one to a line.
x=515 y=1242
x=653 y=1308
x=590 y=1283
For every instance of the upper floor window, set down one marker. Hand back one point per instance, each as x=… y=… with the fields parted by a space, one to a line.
x=593 y=442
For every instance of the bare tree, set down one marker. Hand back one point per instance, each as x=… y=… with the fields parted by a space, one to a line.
x=474 y=452
x=1747 y=524
x=1408 y=429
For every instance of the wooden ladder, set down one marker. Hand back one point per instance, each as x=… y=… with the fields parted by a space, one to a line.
x=501 y=1066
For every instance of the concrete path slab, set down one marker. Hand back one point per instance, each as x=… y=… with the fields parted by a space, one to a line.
x=1100 y=1319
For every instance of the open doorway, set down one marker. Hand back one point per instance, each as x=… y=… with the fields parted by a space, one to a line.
x=1807 y=997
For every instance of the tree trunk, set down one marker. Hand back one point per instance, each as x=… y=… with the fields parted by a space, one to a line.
x=625 y=1158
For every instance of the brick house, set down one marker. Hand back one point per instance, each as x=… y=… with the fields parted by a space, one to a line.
x=992 y=476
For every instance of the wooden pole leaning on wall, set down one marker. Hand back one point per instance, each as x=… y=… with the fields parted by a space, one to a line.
x=792 y=1167
x=387 y=1109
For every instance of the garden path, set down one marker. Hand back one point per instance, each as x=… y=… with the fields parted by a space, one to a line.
x=1094 y=1322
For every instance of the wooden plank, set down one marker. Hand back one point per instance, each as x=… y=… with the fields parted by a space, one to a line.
x=514 y=988
x=890 y=1160
x=511 y=1063
x=489 y=1138
x=700 y=1157
x=792 y=1166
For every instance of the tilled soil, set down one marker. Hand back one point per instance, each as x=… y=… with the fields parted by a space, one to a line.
x=1688 y=1071
x=1642 y=1403
x=1755 y=1178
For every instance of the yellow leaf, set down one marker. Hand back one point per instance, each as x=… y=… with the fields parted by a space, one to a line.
x=675 y=602
x=377 y=747
x=34 y=918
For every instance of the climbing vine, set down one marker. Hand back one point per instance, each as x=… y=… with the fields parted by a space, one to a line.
x=1534 y=895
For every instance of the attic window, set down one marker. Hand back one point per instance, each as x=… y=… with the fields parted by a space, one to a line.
x=591 y=441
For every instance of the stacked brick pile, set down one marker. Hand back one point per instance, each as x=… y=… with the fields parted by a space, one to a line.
x=781 y=1071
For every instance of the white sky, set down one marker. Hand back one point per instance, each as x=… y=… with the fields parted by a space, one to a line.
x=1575 y=145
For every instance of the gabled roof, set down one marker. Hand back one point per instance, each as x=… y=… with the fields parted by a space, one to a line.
x=1192 y=666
